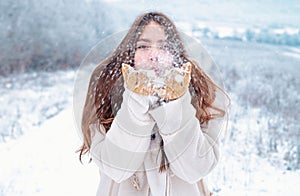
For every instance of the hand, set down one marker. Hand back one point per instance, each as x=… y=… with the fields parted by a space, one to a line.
x=138 y=105
x=169 y=115
x=172 y=85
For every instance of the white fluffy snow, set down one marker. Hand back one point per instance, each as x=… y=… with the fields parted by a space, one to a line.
x=43 y=162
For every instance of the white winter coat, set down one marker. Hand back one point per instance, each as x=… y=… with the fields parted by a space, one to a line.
x=129 y=160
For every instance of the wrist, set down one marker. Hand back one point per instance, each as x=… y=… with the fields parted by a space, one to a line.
x=133 y=125
x=168 y=116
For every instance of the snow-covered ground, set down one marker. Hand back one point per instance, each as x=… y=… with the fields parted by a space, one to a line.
x=43 y=161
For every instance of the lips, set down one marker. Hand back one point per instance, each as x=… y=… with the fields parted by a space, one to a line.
x=158 y=72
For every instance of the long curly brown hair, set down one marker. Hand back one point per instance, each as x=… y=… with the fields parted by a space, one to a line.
x=106 y=83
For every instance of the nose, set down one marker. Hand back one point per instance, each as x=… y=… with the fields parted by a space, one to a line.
x=154 y=59
x=154 y=55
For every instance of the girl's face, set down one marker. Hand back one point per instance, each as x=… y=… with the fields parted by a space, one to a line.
x=152 y=50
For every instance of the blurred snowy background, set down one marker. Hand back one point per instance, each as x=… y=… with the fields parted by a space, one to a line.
x=255 y=44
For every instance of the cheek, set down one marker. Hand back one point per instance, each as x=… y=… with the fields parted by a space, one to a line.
x=139 y=57
x=166 y=58
x=140 y=60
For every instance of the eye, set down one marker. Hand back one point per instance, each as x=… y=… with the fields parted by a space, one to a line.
x=165 y=47
x=142 y=47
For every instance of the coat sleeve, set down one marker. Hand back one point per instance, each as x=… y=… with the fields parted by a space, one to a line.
x=192 y=153
x=121 y=151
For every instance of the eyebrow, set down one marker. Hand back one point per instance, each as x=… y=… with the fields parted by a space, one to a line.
x=147 y=40
x=143 y=40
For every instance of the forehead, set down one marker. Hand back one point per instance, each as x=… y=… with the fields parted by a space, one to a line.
x=153 y=31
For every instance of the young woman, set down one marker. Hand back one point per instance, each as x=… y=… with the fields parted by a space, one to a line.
x=147 y=143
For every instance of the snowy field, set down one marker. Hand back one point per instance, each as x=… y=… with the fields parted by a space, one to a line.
x=41 y=160
x=258 y=54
